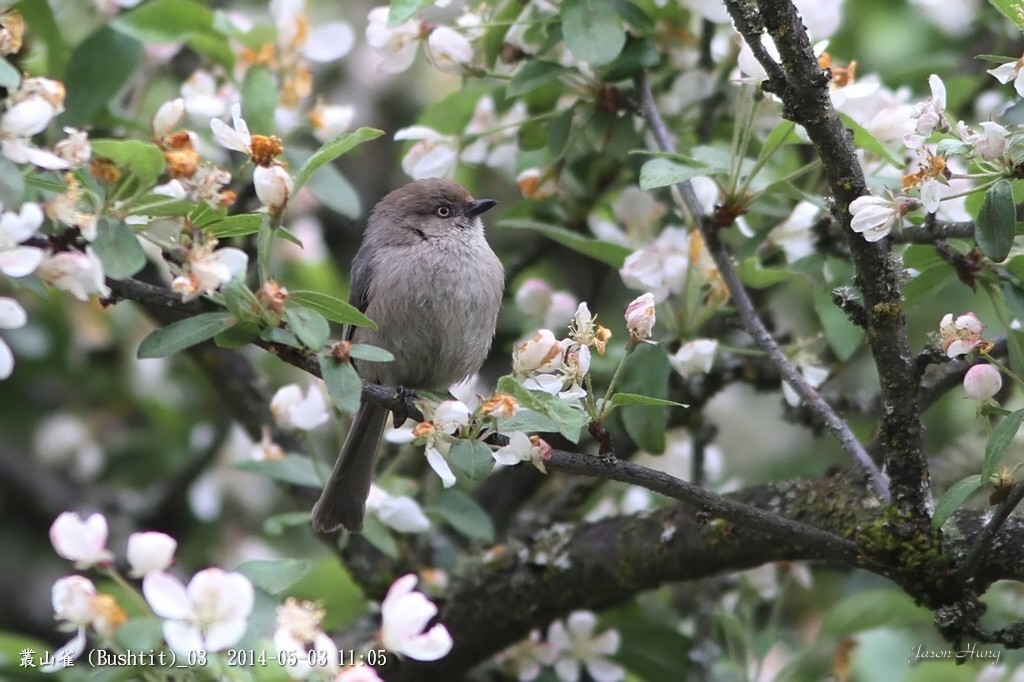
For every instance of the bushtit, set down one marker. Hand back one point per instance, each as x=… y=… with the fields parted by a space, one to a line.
x=425 y=274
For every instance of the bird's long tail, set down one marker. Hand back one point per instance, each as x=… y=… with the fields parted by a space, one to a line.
x=343 y=500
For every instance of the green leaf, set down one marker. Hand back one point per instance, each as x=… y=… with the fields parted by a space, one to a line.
x=241 y=225
x=403 y=10
x=593 y=30
x=473 y=458
x=954 y=497
x=239 y=336
x=605 y=252
x=926 y=284
x=843 y=335
x=633 y=15
x=279 y=523
x=183 y=334
x=497 y=28
x=865 y=140
x=1000 y=439
x=380 y=536
x=368 y=353
x=463 y=514
x=994 y=228
x=332 y=189
x=527 y=421
x=560 y=133
x=140 y=634
x=532 y=75
x=12 y=184
x=259 y=100
x=292 y=469
x=756 y=276
x=143 y=159
x=333 y=149
x=646 y=372
x=280 y=335
x=334 y=309
x=275 y=575
x=649 y=644
x=567 y=419
x=869 y=609
x=42 y=25
x=308 y=325
x=1012 y=10
x=634 y=399
x=118 y=249
x=98 y=69
x=343 y=384
x=9 y=76
x=1013 y=296
x=165 y=21
x=640 y=54
x=661 y=172
x=240 y=300
x=1015 y=339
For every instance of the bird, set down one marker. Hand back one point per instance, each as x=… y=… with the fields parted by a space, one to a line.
x=426 y=275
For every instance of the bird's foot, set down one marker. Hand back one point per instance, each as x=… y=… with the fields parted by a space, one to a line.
x=406 y=397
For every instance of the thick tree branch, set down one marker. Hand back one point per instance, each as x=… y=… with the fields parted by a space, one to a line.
x=524 y=585
x=803 y=87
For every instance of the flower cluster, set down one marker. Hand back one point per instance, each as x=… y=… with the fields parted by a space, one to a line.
x=571 y=647
x=76 y=602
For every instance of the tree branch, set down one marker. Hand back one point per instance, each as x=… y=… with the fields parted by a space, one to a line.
x=802 y=86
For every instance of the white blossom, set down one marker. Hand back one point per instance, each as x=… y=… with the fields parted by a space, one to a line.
x=17 y=260
x=961 y=335
x=398 y=512
x=82 y=541
x=396 y=44
x=404 y=615
x=577 y=647
x=211 y=614
x=79 y=274
x=433 y=154
x=12 y=316
x=449 y=49
x=694 y=357
x=292 y=410
x=150 y=551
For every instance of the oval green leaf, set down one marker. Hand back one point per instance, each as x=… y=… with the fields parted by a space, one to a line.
x=333 y=149
x=183 y=334
x=955 y=496
x=1000 y=439
x=593 y=30
x=334 y=309
x=473 y=458
x=118 y=249
x=997 y=218
x=343 y=384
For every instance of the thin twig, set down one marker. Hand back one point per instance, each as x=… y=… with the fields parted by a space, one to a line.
x=983 y=544
x=748 y=313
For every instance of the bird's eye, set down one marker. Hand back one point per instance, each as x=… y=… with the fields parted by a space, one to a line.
x=444 y=211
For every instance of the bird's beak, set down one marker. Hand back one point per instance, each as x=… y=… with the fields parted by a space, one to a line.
x=479 y=206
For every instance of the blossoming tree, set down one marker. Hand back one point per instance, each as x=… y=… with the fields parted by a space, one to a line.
x=750 y=286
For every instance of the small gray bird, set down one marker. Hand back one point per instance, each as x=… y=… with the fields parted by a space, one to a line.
x=425 y=274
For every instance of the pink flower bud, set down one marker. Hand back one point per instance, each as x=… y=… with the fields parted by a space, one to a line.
x=640 y=316
x=982 y=382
